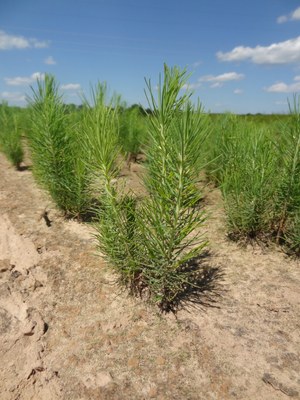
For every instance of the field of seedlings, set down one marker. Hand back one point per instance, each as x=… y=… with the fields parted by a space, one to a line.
x=148 y=253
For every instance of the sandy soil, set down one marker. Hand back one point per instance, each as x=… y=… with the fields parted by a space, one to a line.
x=67 y=331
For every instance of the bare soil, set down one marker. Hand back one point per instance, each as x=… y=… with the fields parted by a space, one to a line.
x=67 y=330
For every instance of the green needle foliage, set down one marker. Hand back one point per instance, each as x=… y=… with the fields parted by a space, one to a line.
x=153 y=243
x=248 y=183
x=221 y=146
x=118 y=236
x=288 y=192
x=10 y=136
x=116 y=232
x=170 y=219
x=292 y=234
x=257 y=166
x=100 y=127
x=56 y=150
x=132 y=132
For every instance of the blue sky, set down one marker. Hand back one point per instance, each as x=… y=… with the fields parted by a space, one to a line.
x=244 y=56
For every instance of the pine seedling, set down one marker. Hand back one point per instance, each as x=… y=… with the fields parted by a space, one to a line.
x=56 y=150
x=248 y=184
x=115 y=229
x=170 y=219
x=288 y=191
x=10 y=136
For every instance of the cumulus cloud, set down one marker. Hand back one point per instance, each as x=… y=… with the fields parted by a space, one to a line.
x=293 y=16
x=219 y=80
x=238 y=91
x=282 y=87
x=282 y=19
x=191 y=86
x=15 y=97
x=71 y=86
x=24 y=80
x=215 y=81
x=50 y=61
x=196 y=64
x=228 y=76
x=8 y=42
x=216 y=85
x=276 y=53
x=296 y=14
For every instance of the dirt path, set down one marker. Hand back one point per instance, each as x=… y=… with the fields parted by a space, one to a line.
x=68 y=332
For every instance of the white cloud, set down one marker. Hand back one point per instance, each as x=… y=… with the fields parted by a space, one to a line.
x=196 y=64
x=282 y=19
x=281 y=87
x=50 y=61
x=277 y=53
x=216 y=81
x=191 y=86
x=37 y=44
x=8 y=42
x=71 y=86
x=293 y=16
x=238 y=91
x=296 y=14
x=216 y=85
x=228 y=76
x=219 y=80
x=24 y=80
x=15 y=97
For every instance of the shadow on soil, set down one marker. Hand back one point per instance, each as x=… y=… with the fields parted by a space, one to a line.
x=22 y=168
x=203 y=288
